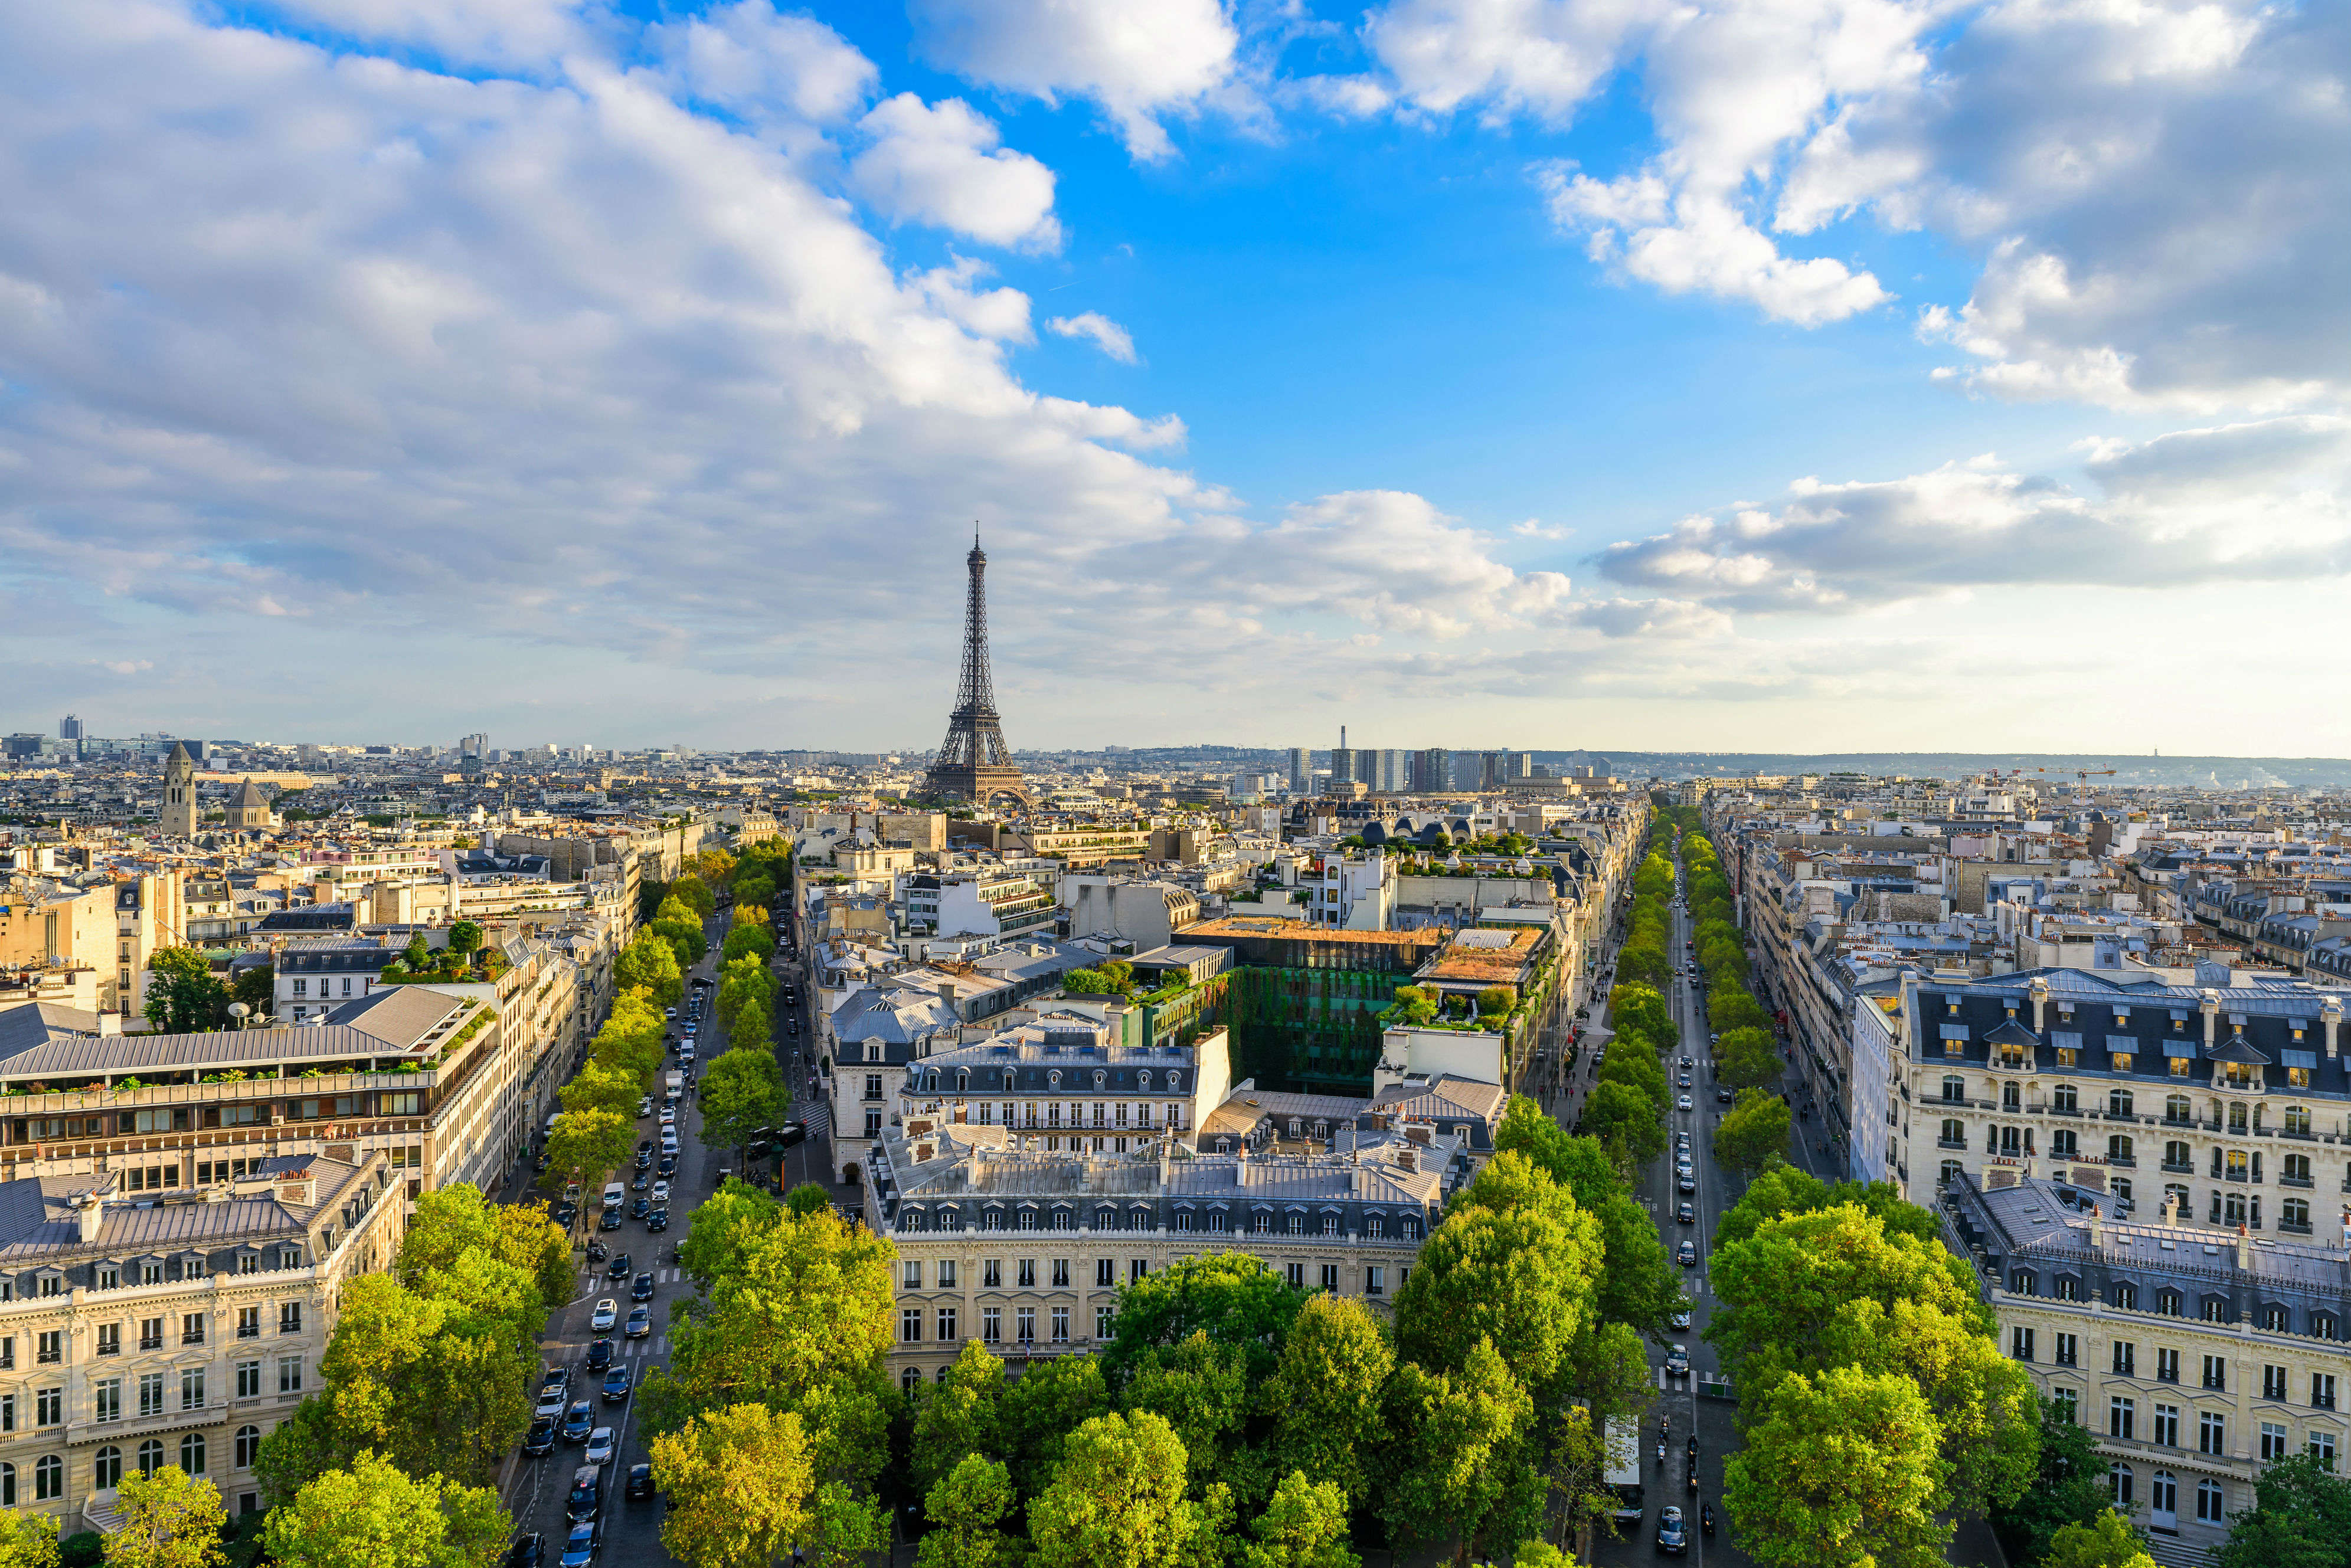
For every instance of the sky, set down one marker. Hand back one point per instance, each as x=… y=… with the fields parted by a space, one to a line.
x=1806 y=375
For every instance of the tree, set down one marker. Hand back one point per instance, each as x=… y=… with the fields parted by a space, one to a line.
x=185 y=997
x=962 y=1507
x=418 y=953
x=1304 y=1526
x=1324 y=1394
x=170 y=1519
x=1049 y=1401
x=2301 y=1518
x=589 y=1145
x=1460 y=1459
x=599 y=1087
x=257 y=986
x=754 y=888
x=1200 y=1388
x=28 y=1540
x=693 y=891
x=685 y=934
x=754 y=1028
x=1234 y=1297
x=747 y=940
x=1627 y=1121
x=1117 y=1499
x=742 y=1093
x=1747 y=1059
x=1528 y=1129
x=650 y=961
x=375 y=1513
x=2070 y=1487
x=743 y=1489
x=1753 y=1133
x=465 y=938
x=808 y=1197
x=956 y=1418
x=1514 y=1266
x=1641 y=1008
x=2104 y=1540
x=1775 y=1191
x=719 y=1234
x=451 y=1220
x=1842 y=1471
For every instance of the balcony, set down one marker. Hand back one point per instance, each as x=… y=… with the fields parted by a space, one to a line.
x=2294 y=1181
x=2181 y=1167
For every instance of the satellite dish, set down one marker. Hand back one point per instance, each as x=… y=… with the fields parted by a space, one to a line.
x=238 y=1010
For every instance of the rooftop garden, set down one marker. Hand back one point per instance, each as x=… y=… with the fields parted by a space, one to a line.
x=1422 y=1007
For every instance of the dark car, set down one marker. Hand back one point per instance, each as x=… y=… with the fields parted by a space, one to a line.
x=528 y=1551
x=1687 y=1256
x=791 y=1133
x=580 y=1546
x=642 y=1290
x=1672 y=1532
x=642 y=1180
x=668 y=1165
x=540 y=1440
x=600 y=1355
x=616 y=1384
x=1721 y=1095
x=1688 y=1214
x=579 y=1421
x=618 y=1269
x=657 y=1221
x=608 y=1220
x=1687 y=1182
x=640 y=1482
x=565 y=1213
x=640 y=1208
x=586 y=1499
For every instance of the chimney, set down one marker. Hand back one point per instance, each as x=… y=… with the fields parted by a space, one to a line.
x=1407 y=1157
x=2330 y=1017
x=109 y=1024
x=92 y=1215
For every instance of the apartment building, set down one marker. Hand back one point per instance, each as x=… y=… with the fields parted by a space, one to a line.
x=140 y=1328
x=2195 y=1355
x=1025 y=1251
x=986 y=902
x=1352 y=892
x=1062 y=1082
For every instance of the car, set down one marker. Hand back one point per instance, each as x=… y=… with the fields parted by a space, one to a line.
x=528 y=1551
x=1688 y=1255
x=551 y=1403
x=1714 y=1039
x=1672 y=1532
x=1685 y=1183
x=668 y=1116
x=540 y=1439
x=668 y=1161
x=640 y=1325
x=619 y=1268
x=1686 y=1102
x=791 y=1133
x=645 y=1107
x=657 y=1221
x=1721 y=1095
x=565 y=1213
x=577 y=1422
x=599 y=1355
x=644 y=1150
x=1681 y=1320
x=1677 y=1362
x=640 y=1208
x=1687 y=1214
x=639 y=1182
x=661 y=1190
x=1685 y=1083
x=642 y=1290
x=608 y=1220
x=580 y=1546
x=669 y=1012
x=1688 y=1063
x=640 y=1482
x=607 y=1313
x=616 y=1384
x=599 y=1446
x=557 y=1378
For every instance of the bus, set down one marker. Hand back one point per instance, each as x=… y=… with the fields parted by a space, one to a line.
x=1623 y=1470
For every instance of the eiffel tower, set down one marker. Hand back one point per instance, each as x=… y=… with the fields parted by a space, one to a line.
x=973 y=763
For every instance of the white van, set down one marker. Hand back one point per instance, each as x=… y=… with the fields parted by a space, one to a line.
x=614 y=1195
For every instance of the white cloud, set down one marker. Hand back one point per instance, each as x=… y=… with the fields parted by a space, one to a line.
x=2267 y=502
x=1538 y=57
x=940 y=164
x=1139 y=60
x=1099 y=330
x=505 y=31
x=768 y=65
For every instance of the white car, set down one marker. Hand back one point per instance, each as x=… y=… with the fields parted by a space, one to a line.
x=669 y=1116
x=600 y=1447
x=645 y=1107
x=1685 y=1101
x=661 y=1192
x=608 y=1312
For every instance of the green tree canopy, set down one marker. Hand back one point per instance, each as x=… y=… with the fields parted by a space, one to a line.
x=586 y=1146
x=650 y=961
x=1234 y=1297
x=956 y=1418
x=2301 y=1518
x=742 y=1093
x=1753 y=1133
x=2104 y=1540
x=964 y=1506
x=746 y=939
x=170 y=1519
x=695 y=893
x=1201 y=1388
x=1117 y=1500
x=1323 y=1397
x=28 y=1540
x=1461 y=1459
x=744 y=1489
x=376 y=1514
x=465 y=937
x=1515 y=1265
x=1625 y=1121
x=1840 y=1471
x=722 y=1229
x=2069 y=1487
x=1304 y=1525
x=1052 y=1399
x=183 y=996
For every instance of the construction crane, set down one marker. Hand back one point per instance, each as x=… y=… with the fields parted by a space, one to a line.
x=2083 y=774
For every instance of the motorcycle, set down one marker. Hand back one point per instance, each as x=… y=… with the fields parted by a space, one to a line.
x=1693 y=1477
x=1693 y=1449
x=1661 y=1453
x=1706 y=1519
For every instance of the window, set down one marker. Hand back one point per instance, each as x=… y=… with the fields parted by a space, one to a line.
x=2119 y=1102
x=191 y=1328
x=2322 y=1391
x=910 y=1325
x=248 y=1323
x=106 y=1469
x=1329 y=1276
x=2274 y=1383
x=2293 y=1214
x=2126 y=1358
x=192 y=1454
x=2068 y=1401
x=2166 y=1366
x=1296 y=1273
x=1106 y=1273
x=2163 y=1492
x=2120 y=1414
x=947 y=1325
x=991 y=1324
x=50 y=1407
x=2176 y=1110
x=248 y=1446
x=289 y=1317
x=2321 y=1448
x=49 y=1478
x=2120 y=1150
x=2297 y=1120
x=2167 y=1427
x=192 y=1388
x=1060 y=1325
x=2068 y=1350
x=1376 y=1280
x=911 y=1274
x=2118 y=1485
x=150 y=1393
x=2211 y=1501
x=289 y=1374
x=911 y=1379
x=1104 y=1320
x=1061 y=1274
x=106 y=1399
x=1955 y=1088
x=1955 y=1133
x=991 y=1273
x=2211 y=1433
x=1136 y=1269
x=2166 y=1301
x=2216 y=1372
x=2020 y=1344
x=248 y=1380
x=2274 y=1438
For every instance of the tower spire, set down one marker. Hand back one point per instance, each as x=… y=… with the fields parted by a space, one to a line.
x=974 y=763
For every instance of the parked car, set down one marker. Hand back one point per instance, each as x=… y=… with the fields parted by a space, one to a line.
x=640 y=1482
x=1721 y=1095
x=528 y=1551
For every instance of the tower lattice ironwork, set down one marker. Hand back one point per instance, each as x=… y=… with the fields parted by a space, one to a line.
x=973 y=763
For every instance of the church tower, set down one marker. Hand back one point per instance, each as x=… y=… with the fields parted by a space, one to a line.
x=177 y=820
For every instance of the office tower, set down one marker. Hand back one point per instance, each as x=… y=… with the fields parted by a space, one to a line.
x=1302 y=768
x=1395 y=770
x=1432 y=770
x=69 y=728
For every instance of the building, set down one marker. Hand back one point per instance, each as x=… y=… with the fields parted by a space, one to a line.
x=1145 y=911
x=1432 y=771
x=179 y=1327
x=983 y=903
x=248 y=807
x=69 y=728
x=1301 y=770
x=1355 y=893
x=1026 y=1251
x=2195 y=1355
x=176 y=818
x=1062 y=1081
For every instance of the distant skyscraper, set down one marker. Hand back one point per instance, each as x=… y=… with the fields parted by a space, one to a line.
x=69 y=728
x=474 y=745
x=1395 y=770
x=1302 y=768
x=1432 y=772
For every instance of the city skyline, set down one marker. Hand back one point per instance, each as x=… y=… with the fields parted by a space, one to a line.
x=1679 y=376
